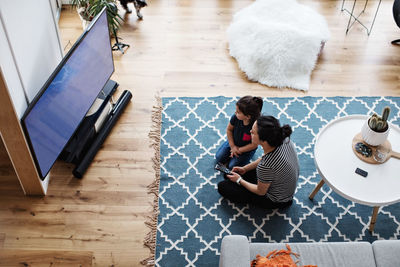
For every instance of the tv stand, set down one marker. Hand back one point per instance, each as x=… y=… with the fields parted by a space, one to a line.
x=94 y=128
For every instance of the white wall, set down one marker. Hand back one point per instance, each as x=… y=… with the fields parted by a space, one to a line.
x=10 y=72
x=30 y=47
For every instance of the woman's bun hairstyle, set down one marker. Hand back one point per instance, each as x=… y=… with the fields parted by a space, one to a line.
x=286 y=131
x=250 y=106
x=270 y=130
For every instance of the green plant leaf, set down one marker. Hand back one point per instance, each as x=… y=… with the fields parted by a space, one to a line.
x=90 y=8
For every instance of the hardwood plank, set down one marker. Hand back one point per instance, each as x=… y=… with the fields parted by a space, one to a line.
x=9 y=257
x=59 y=212
x=2 y=237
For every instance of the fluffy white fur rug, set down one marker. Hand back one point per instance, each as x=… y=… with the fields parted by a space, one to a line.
x=277 y=42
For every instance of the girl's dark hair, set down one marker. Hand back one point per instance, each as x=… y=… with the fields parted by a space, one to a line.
x=270 y=130
x=250 y=106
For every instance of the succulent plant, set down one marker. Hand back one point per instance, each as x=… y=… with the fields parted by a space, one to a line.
x=385 y=113
x=377 y=123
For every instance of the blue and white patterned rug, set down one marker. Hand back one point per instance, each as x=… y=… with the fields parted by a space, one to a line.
x=194 y=218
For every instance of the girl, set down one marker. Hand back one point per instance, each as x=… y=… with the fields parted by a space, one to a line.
x=239 y=149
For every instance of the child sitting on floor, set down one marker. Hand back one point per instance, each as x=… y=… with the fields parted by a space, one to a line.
x=239 y=149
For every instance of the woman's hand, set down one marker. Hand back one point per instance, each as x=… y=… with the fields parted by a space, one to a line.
x=233 y=177
x=235 y=152
x=239 y=170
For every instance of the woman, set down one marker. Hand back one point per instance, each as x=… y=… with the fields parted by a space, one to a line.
x=270 y=181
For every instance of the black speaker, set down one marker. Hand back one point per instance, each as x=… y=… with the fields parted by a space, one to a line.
x=396 y=16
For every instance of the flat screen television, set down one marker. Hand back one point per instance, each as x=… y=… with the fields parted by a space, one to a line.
x=56 y=112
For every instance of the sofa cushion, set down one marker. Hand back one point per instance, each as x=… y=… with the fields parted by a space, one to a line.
x=235 y=251
x=330 y=254
x=387 y=253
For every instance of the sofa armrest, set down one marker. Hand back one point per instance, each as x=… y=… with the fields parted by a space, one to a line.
x=386 y=253
x=235 y=251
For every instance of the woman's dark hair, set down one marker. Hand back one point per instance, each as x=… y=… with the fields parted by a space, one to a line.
x=250 y=106
x=269 y=129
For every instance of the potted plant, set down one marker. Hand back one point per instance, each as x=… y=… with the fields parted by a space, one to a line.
x=376 y=129
x=88 y=9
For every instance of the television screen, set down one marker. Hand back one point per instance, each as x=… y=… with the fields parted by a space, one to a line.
x=58 y=109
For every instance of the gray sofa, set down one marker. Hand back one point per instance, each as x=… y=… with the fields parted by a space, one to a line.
x=237 y=251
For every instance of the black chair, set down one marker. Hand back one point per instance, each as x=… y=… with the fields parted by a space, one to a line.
x=396 y=16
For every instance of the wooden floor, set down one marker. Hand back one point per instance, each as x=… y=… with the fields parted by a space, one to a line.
x=179 y=49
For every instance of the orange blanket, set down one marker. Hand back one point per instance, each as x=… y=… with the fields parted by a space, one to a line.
x=278 y=258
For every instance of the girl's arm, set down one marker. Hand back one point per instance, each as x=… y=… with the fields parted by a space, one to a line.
x=234 y=149
x=229 y=134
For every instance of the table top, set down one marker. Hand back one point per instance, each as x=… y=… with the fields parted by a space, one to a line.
x=336 y=163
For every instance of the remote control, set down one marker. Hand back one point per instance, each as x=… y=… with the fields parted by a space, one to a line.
x=361 y=172
x=222 y=168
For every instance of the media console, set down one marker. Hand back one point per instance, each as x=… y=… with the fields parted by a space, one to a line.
x=95 y=127
x=71 y=115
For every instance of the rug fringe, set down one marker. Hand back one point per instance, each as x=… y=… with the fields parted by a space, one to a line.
x=151 y=222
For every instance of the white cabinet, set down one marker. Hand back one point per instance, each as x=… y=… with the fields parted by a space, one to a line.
x=30 y=49
x=32 y=41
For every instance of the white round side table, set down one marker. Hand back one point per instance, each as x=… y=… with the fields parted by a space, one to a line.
x=336 y=164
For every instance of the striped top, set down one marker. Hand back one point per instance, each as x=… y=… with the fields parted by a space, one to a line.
x=280 y=168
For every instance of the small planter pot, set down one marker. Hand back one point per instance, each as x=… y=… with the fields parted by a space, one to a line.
x=85 y=22
x=373 y=138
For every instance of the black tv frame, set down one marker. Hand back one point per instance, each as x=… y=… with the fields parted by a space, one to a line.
x=48 y=82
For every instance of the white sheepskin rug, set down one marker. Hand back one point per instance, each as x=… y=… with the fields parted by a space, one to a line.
x=277 y=42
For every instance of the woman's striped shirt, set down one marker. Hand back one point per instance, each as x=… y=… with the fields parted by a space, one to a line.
x=280 y=168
